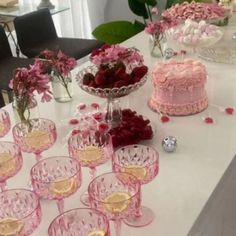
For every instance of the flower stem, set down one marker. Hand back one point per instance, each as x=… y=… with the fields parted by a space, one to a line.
x=65 y=84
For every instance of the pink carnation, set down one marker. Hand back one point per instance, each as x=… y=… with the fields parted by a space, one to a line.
x=112 y=54
x=28 y=80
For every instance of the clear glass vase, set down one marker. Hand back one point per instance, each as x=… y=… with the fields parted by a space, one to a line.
x=156 y=46
x=62 y=88
x=25 y=108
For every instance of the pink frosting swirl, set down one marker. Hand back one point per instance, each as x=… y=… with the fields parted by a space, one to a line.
x=179 y=75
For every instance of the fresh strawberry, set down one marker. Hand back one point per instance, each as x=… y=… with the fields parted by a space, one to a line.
x=125 y=77
x=88 y=77
x=119 y=72
x=139 y=71
x=119 y=84
x=100 y=79
x=136 y=79
x=92 y=84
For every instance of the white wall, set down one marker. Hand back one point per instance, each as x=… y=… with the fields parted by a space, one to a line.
x=118 y=10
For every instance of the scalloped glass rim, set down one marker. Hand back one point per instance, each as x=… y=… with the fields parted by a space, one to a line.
x=107 y=92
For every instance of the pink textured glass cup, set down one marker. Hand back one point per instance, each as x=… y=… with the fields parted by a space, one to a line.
x=116 y=195
x=35 y=138
x=56 y=178
x=80 y=222
x=5 y=122
x=20 y=212
x=10 y=161
x=142 y=162
x=92 y=149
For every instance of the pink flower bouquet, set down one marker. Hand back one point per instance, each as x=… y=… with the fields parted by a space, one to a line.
x=157 y=30
x=24 y=83
x=57 y=64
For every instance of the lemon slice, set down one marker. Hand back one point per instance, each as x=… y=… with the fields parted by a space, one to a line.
x=117 y=202
x=10 y=227
x=90 y=154
x=97 y=233
x=37 y=139
x=63 y=186
x=138 y=171
x=7 y=163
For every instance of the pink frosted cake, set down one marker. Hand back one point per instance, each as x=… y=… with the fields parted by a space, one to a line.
x=179 y=88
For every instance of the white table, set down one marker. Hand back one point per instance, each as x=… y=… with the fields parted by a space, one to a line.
x=186 y=178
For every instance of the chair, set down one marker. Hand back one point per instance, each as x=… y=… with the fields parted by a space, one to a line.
x=8 y=64
x=36 y=31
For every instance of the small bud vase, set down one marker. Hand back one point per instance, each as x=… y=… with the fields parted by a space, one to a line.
x=25 y=108
x=62 y=88
x=156 y=46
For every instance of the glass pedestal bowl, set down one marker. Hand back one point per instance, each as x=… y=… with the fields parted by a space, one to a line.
x=224 y=51
x=113 y=113
x=206 y=41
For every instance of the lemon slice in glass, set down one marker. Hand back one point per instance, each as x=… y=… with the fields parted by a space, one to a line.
x=10 y=227
x=97 y=233
x=37 y=139
x=62 y=186
x=138 y=171
x=117 y=202
x=7 y=163
x=90 y=154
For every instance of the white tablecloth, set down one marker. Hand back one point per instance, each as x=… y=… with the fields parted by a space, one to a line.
x=187 y=177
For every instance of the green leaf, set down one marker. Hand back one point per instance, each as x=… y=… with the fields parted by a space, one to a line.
x=116 y=31
x=148 y=2
x=138 y=8
x=139 y=25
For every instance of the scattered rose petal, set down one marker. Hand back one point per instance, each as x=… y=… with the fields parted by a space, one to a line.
x=208 y=120
x=103 y=127
x=82 y=106
x=95 y=105
x=75 y=131
x=183 y=52
x=74 y=122
x=165 y=119
x=98 y=116
x=229 y=110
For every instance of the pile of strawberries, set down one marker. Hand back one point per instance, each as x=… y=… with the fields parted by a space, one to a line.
x=133 y=129
x=114 y=76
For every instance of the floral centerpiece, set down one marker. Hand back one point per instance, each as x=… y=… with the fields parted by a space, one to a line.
x=24 y=83
x=116 y=66
x=116 y=72
x=58 y=65
x=157 y=31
